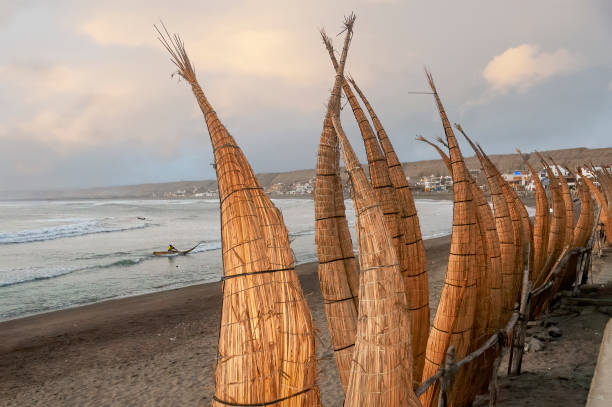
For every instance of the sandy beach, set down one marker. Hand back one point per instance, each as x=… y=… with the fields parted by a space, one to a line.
x=159 y=349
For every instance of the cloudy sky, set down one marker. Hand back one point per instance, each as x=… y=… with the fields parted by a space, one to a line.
x=87 y=97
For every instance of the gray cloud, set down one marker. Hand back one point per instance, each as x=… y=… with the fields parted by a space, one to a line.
x=88 y=99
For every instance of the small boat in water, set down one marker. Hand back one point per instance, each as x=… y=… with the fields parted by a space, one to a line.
x=173 y=253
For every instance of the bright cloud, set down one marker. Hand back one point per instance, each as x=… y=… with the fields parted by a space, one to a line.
x=214 y=46
x=525 y=66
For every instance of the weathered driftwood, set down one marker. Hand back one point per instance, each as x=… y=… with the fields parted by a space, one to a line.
x=415 y=274
x=600 y=302
x=454 y=320
x=381 y=371
x=266 y=352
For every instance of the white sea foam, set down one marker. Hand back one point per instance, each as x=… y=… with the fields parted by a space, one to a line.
x=207 y=246
x=23 y=275
x=69 y=230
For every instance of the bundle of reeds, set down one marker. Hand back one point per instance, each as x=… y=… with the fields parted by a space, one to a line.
x=540 y=228
x=569 y=206
x=387 y=196
x=266 y=352
x=524 y=256
x=454 y=320
x=381 y=372
x=489 y=304
x=521 y=223
x=482 y=285
x=602 y=203
x=378 y=170
x=494 y=306
x=557 y=224
x=415 y=273
x=603 y=198
x=505 y=233
x=379 y=175
x=338 y=274
x=526 y=230
x=584 y=225
x=486 y=220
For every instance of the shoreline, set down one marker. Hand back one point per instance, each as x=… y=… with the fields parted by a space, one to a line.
x=151 y=349
x=159 y=349
x=156 y=300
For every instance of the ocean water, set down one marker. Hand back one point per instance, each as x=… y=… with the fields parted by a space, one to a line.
x=60 y=254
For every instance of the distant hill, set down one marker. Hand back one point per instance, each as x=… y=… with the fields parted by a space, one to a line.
x=414 y=170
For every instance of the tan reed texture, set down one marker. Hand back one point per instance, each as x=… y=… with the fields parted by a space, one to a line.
x=517 y=233
x=382 y=360
x=482 y=285
x=541 y=227
x=266 y=350
x=493 y=250
x=557 y=224
x=569 y=207
x=606 y=183
x=497 y=314
x=489 y=304
x=378 y=170
x=415 y=275
x=489 y=264
x=517 y=236
x=505 y=233
x=605 y=196
x=338 y=274
x=526 y=229
x=454 y=320
x=604 y=178
x=601 y=203
x=584 y=225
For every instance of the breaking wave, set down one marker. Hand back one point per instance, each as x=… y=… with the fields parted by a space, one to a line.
x=63 y=231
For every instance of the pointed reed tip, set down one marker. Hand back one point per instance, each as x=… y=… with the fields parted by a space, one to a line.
x=430 y=80
x=350 y=21
x=327 y=41
x=458 y=127
x=349 y=78
x=441 y=141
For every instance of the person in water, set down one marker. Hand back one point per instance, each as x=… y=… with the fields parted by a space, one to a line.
x=172 y=248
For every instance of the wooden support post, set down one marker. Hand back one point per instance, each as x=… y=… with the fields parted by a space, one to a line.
x=520 y=329
x=518 y=336
x=493 y=386
x=514 y=335
x=447 y=377
x=579 y=272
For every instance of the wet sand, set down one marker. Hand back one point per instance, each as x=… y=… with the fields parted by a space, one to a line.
x=159 y=350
